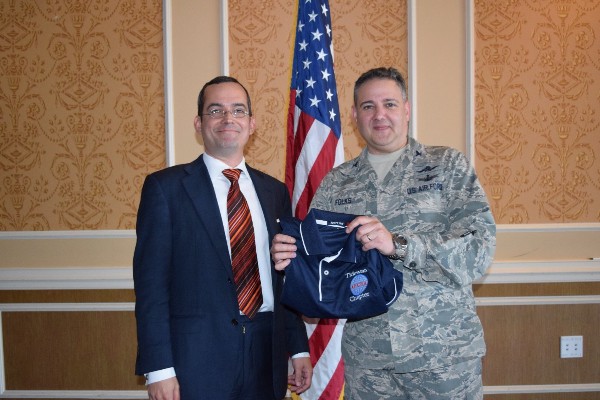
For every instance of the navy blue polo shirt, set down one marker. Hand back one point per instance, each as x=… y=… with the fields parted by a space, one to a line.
x=331 y=276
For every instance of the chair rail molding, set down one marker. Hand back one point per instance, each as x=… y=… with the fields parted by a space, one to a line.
x=121 y=277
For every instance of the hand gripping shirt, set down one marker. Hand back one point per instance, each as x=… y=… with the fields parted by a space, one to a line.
x=331 y=276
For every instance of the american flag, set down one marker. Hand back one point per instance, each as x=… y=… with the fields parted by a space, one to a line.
x=314 y=146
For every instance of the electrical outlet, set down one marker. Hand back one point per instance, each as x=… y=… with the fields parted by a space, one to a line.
x=571 y=346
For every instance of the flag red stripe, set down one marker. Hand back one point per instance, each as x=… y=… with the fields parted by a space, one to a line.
x=290 y=172
x=324 y=162
x=319 y=340
x=304 y=124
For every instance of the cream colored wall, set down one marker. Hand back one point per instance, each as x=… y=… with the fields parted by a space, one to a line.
x=438 y=73
x=196 y=58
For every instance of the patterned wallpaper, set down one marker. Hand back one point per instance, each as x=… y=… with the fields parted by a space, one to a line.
x=82 y=101
x=81 y=111
x=537 y=109
x=366 y=34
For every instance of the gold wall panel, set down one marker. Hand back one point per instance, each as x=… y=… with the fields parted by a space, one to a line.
x=537 y=105
x=70 y=351
x=82 y=116
x=523 y=344
x=366 y=34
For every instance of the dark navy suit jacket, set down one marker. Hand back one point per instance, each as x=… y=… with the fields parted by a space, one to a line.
x=186 y=304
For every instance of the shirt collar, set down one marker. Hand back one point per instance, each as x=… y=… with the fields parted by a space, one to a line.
x=215 y=166
x=317 y=242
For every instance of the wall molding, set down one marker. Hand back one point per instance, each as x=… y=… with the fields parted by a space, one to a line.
x=73 y=394
x=130 y=306
x=121 y=277
x=138 y=394
x=62 y=307
x=522 y=389
x=536 y=300
x=542 y=272
x=413 y=77
x=168 y=82
x=130 y=233
x=46 y=235
x=66 y=278
x=224 y=37
x=549 y=228
x=470 y=80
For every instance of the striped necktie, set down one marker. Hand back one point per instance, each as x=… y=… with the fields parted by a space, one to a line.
x=243 y=247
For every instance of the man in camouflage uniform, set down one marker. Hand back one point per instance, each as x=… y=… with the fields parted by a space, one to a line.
x=423 y=207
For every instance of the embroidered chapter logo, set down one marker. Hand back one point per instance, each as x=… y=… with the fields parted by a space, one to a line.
x=359 y=284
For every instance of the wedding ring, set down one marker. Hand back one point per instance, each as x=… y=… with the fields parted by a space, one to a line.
x=369 y=237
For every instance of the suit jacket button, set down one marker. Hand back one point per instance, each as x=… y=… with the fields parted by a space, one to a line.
x=412 y=264
x=234 y=322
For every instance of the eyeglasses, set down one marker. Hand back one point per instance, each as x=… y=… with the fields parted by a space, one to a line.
x=218 y=113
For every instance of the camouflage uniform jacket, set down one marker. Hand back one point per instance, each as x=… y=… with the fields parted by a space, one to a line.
x=432 y=197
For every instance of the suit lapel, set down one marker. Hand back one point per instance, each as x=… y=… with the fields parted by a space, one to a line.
x=200 y=189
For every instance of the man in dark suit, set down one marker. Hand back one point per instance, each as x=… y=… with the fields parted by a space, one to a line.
x=194 y=342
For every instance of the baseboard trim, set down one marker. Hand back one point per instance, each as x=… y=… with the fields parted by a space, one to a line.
x=523 y=389
x=64 y=307
x=49 y=235
x=74 y=394
x=142 y=394
x=536 y=300
x=130 y=306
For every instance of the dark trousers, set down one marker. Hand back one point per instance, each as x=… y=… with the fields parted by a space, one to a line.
x=255 y=366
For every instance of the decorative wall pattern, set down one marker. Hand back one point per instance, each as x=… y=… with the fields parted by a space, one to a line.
x=366 y=34
x=82 y=101
x=81 y=111
x=537 y=109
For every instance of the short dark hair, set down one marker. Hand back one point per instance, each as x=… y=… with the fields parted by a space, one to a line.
x=382 y=73
x=216 y=81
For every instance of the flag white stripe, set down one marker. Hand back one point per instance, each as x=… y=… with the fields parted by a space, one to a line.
x=327 y=364
x=313 y=144
x=339 y=152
